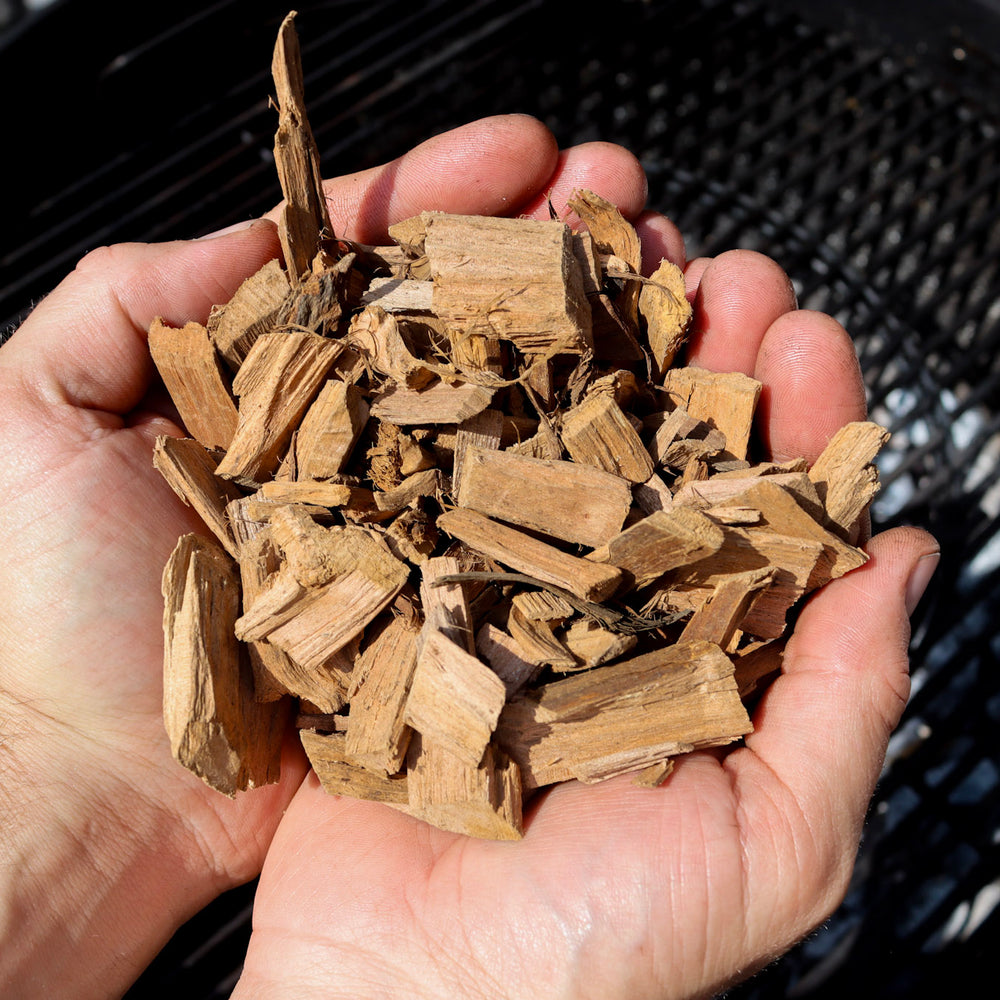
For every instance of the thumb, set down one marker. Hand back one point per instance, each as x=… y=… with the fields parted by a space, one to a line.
x=825 y=724
x=808 y=771
x=85 y=344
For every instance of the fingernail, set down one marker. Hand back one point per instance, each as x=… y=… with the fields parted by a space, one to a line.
x=236 y=227
x=920 y=577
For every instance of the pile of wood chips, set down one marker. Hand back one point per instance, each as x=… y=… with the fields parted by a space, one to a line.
x=474 y=532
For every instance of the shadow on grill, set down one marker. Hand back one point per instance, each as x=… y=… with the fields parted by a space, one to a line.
x=863 y=155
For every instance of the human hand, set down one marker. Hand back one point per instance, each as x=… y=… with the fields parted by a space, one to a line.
x=108 y=845
x=615 y=890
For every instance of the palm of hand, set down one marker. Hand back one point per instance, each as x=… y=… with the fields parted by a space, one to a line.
x=93 y=523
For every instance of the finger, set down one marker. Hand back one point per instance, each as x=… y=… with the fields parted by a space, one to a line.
x=85 y=344
x=489 y=167
x=602 y=167
x=809 y=769
x=661 y=240
x=739 y=295
x=812 y=384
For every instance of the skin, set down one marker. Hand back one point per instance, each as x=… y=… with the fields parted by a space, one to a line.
x=107 y=845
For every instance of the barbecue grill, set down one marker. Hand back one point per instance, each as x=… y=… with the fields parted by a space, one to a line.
x=856 y=144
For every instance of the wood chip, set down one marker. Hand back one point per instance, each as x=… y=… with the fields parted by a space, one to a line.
x=476 y=530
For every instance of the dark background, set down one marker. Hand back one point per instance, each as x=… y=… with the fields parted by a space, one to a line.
x=857 y=143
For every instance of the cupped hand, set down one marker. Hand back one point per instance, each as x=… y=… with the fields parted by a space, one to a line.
x=615 y=890
x=108 y=844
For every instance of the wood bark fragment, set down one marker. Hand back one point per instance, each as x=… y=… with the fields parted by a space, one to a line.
x=506 y=657
x=483 y=800
x=438 y=403
x=377 y=736
x=217 y=729
x=596 y=432
x=516 y=279
x=191 y=371
x=724 y=400
x=305 y=219
x=189 y=468
x=744 y=549
x=538 y=640
x=845 y=478
x=572 y=502
x=660 y=542
x=455 y=699
x=341 y=773
x=592 y=645
x=324 y=441
x=254 y=309
x=666 y=314
x=589 y=581
x=275 y=384
x=624 y=716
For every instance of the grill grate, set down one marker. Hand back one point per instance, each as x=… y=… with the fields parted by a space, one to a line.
x=871 y=174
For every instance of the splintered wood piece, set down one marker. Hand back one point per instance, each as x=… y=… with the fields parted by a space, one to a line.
x=414 y=457
x=653 y=495
x=410 y=490
x=610 y=231
x=624 y=716
x=277 y=382
x=216 y=727
x=377 y=736
x=455 y=699
x=613 y=235
x=320 y=600
x=305 y=219
x=189 y=469
x=438 y=403
x=566 y=500
x=845 y=478
x=313 y=493
x=278 y=601
x=596 y=432
x=412 y=536
x=660 y=542
x=588 y=580
x=679 y=437
x=189 y=366
x=259 y=558
x=782 y=512
x=665 y=313
x=506 y=658
x=324 y=441
x=593 y=645
x=757 y=663
x=404 y=295
x=446 y=605
x=722 y=489
x=376 y=333
x=793 y=559
x=319 y=298
x=485 y=431
x=516 y=279
x=654 y=775
x=542 y=605
x=724 y=400
x=254 y=309
x=340 y=773
x=539 y=641
x=483 y=800
x=718 y=619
